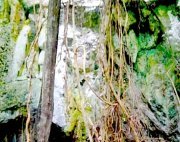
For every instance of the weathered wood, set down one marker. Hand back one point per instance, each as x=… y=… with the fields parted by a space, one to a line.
x=46 y=112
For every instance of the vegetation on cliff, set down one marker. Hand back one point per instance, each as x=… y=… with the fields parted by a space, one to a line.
x=125 y=89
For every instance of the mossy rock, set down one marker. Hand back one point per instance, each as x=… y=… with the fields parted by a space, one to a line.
x=133 y=46
x=17 y=19
x=162 y=13
x=13 y=98
x=146 y=41
x=155 y=70
x=5 y=51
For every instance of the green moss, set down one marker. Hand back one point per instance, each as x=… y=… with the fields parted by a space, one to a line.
x=96 y=66
x=146 y=41
x=27 y=49
x=92 y=20
x=146 y=12
x=23 y=111
x=31 y=37
x=76 y=121
x=162 y=13
x=154 y=25
x=5 y=51
x=75 y=114
x=153 y=67
x=140 y=65
x=161 y=10
x=177 y=79
x=161 y=55
x=32 y=9
x=17 y=19
x=13 y=98
x=131 y=18
x=77 y=126
x=4 y=11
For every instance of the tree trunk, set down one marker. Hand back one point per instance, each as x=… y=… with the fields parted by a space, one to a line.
x=46 y=112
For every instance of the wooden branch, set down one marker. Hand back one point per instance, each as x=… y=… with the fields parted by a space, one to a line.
x=46 y=112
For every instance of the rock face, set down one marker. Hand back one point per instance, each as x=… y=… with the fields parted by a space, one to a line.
x=156 y=63
x=86 y=40
x=42 y=38
x=153 y=46
x=15 y=87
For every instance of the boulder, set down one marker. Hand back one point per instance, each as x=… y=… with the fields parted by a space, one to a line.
x=14 y=97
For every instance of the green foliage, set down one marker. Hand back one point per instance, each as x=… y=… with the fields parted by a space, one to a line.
x=77 y=125
x=31 y=36
x=76 y=120
x=23 y=111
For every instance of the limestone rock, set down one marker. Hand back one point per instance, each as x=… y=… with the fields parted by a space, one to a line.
x=19 y=53
x=41 y=58
x=174 y=32
x=42 y=37
x=33 y=2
